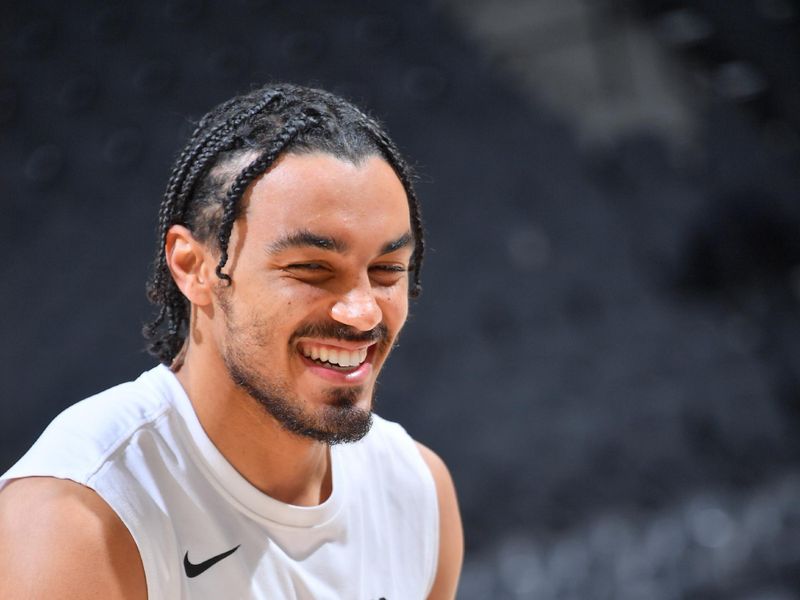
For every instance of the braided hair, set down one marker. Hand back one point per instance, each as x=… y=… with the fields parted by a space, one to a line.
x=232 y=146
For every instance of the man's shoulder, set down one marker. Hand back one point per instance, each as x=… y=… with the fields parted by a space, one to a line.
x=69 y=543
x=80 y=439
x=389 y=448
x=419 y=464
x=385 y=438
x=119 y=411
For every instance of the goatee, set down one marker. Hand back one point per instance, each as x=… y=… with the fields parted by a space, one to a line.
x=338 y=420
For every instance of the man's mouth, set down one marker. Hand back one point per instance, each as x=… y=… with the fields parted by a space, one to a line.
x=340 y=359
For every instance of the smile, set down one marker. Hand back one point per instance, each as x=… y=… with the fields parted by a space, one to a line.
x=331 y=357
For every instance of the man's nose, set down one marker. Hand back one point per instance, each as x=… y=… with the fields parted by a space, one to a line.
x=358 y=308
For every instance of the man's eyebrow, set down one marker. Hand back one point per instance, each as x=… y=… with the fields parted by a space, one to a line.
x=404 y=240
x=304 y=238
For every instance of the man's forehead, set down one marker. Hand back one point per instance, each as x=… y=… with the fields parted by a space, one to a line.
x=318 y=189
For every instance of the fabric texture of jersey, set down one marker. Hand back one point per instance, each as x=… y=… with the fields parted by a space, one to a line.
x=141 y=447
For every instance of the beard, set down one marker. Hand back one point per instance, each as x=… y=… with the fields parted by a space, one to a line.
x=338 y=420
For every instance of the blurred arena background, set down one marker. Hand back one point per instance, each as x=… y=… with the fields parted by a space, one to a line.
x=607 y=351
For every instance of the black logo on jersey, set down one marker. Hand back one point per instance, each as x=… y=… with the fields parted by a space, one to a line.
x=193 y=570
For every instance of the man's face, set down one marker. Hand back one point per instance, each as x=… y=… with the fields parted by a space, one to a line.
x=319 y=265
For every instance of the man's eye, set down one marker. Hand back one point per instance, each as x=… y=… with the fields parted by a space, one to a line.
x=307 y=266
x=387 y=274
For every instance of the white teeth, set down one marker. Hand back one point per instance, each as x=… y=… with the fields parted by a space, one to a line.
x=347 y=359
x=340 y=356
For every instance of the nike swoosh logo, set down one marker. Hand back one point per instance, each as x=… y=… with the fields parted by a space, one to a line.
x=193 y=570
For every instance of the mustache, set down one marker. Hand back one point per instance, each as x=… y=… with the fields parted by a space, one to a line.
x=337 y=331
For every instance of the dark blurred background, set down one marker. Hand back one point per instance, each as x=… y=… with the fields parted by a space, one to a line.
x=607 y=351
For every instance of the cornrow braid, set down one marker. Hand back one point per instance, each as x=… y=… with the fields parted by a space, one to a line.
x=195 y=158
x=190 y=165
x=215 y=169
x=231 y=206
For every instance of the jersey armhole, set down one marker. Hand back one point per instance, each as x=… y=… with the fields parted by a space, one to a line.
x=432 y=496
x=433 y=559
x=125 y=511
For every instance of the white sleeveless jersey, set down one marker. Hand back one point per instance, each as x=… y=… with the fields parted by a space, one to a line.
x=204 y=532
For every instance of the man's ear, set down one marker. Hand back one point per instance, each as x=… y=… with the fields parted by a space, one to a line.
x=191 y=264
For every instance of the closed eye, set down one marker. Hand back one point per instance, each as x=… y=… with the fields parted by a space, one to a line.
x=307 y=266
x=310 y=272
x=387 y=275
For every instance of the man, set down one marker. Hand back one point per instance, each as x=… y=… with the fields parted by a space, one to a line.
x=290 y=240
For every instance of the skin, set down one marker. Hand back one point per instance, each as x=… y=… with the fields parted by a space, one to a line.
x=275 y=292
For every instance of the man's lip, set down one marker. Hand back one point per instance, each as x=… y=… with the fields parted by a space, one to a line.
x=356 y=376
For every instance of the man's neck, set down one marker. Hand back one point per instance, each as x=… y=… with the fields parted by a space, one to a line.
x=283 y=465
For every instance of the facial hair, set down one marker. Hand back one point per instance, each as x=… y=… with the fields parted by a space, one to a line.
x=338 y=420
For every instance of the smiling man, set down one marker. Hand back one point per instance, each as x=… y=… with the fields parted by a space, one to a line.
x=249 y=464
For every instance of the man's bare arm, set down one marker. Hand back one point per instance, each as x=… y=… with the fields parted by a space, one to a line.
x=451 y=535
x=59 y=539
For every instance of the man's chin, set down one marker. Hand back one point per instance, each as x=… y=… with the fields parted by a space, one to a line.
x=344 y=415
x=342 y=429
